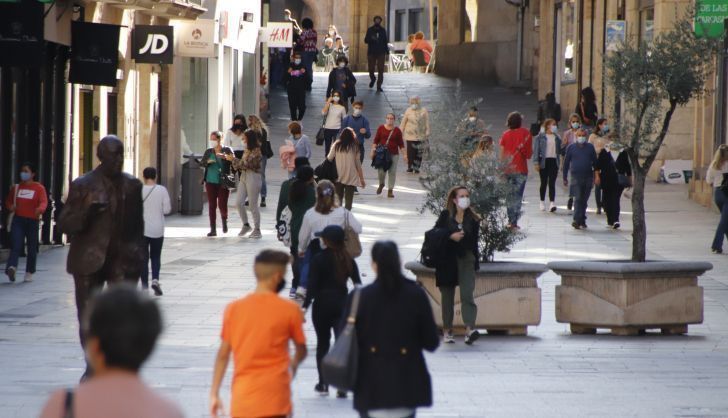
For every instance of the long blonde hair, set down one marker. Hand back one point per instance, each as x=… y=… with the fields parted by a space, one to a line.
x=720 y=157
x=256 y=124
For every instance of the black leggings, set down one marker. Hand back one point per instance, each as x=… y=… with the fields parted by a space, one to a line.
x=328 y=307
x=611 y=200
x=548 y=175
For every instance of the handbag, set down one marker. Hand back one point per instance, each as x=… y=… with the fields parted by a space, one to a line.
x=326 y=171
x=382 y=157
x=11 y=216
x=321 y=134
x=352 y=244
x=283 y=227
x=340 y=365
x=623 y=180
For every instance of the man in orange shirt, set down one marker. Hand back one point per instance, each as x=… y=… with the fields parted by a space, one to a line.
x=256 y=330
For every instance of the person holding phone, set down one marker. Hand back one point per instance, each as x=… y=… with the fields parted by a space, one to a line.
x=460 y=263
x=216 y=165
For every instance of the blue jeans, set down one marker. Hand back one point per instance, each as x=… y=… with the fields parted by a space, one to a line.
x=23 y=230
x=721 y=200
x=581 y=187
x=153 y=252
x=517 y=183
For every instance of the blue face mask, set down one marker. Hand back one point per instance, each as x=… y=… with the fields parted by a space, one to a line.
x=25 y=176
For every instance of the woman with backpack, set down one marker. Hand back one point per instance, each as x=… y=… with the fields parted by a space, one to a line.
x=387 y=140
x=329 y=273
x=458 y=262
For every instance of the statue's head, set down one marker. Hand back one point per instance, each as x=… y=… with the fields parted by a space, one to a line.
x=111 y=155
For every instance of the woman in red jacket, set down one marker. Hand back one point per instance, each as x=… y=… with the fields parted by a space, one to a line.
x=27 y=201
x=391 y=137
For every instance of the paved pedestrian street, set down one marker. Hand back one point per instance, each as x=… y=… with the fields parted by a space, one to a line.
x=547 y=373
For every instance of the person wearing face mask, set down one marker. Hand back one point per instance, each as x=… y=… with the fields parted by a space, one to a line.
x=599 y=139
x=307 y=44
x=568 y=138
x=546 y=149
x=460 y=262
x=415 y=127
x=580 y=162
x=234 y=136
x=615 y=176
x=516 y=146
x=472 y=128
x=342 y=80
x=360 y=124
x=327 y=55
x=216 y=161
x=334 y=113
x=341 y=49
x=250 y=167
x=329 y=273
x=27 y=201
x=295 y=81
x=300 y=140
x=257 y=330
x=378 y=48
x=389 y=136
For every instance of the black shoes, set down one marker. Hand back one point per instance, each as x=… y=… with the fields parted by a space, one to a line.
x=471 y=337
x=379 y=90
x=322 y=389
x=340 y=394
x=380 y=188
x=212 y=233
x=371 y=83
x=714 y=250
x=11 y=273
x=570 y=203
x=224 y=226
x=262 y=202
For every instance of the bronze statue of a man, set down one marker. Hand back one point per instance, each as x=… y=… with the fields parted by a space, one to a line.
x=104 y=220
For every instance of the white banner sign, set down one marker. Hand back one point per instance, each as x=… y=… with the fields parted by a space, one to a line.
x=277 y=35
x=195 y=38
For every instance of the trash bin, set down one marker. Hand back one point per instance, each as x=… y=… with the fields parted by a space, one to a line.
x=192 y=173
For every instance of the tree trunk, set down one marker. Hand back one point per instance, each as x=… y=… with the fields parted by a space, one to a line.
x=639 y=232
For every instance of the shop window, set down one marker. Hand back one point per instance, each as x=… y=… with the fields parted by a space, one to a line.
x=415 y=21
x=400 y=27
x=194 y=134
x=568 y=41
x=647 y=24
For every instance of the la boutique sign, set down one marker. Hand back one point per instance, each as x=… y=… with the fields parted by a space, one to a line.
x=153 y=44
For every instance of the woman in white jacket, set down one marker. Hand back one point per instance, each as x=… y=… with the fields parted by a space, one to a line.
x=716 y=177
x=326 y=212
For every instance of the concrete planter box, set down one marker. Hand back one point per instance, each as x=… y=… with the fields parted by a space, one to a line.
x=507 y=296
x=629 y=298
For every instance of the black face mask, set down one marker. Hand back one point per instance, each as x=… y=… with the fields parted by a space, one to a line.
x=377 y=23
x=281 y=285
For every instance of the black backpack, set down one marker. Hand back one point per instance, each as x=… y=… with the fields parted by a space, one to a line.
x=434 y=247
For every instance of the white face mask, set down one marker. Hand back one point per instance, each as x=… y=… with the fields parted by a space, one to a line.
x=472 y=118
x=414 y=106
x=297 y=61
x=554 y=129
x=336 y=99
x=331 y=32
x=581 y=140
x=575 y=125
x=463 y=202
x=342 y=65
x=357 y=112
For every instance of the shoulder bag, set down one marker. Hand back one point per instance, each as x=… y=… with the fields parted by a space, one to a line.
x=283 y=227
x=382 y=157
x=320 y=135
x=11 y=216
x=340 y=365
x=352 y=244
x=326 y=171
x=149 y=194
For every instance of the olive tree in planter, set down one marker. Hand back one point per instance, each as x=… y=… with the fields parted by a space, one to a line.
x=650 y=81
x=507 y=294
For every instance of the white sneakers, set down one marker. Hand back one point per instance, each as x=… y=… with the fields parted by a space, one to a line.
x=244 y=230
x=542 y=206
x=552 y=207
x=448 y=337
x=28 y=277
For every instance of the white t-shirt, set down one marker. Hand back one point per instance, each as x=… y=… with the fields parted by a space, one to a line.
x=336 y=114
x=156 y=205
x=550 y=146
x=314 y=222
x=715 y=177
x=233 y=141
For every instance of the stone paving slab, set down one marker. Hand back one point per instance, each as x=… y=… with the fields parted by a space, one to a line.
x=548 y=373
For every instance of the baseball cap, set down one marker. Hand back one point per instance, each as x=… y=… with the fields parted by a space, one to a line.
x=333 y=233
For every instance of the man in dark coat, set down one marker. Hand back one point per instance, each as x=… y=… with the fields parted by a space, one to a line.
x=104 y=219
x=378 y=48
x=295 y=81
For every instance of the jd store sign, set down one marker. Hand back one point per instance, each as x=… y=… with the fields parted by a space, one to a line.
x=153 y=44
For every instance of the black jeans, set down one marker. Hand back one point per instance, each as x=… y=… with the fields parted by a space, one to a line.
x=611 y=200
x=598 y=196
x=297 y=103
x=329 y=138
x=328 y=307
x=548 y=175
x=153 y=251
x=377 y=62
x=295 y=267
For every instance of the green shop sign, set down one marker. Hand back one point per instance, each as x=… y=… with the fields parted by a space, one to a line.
x=710 y=18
